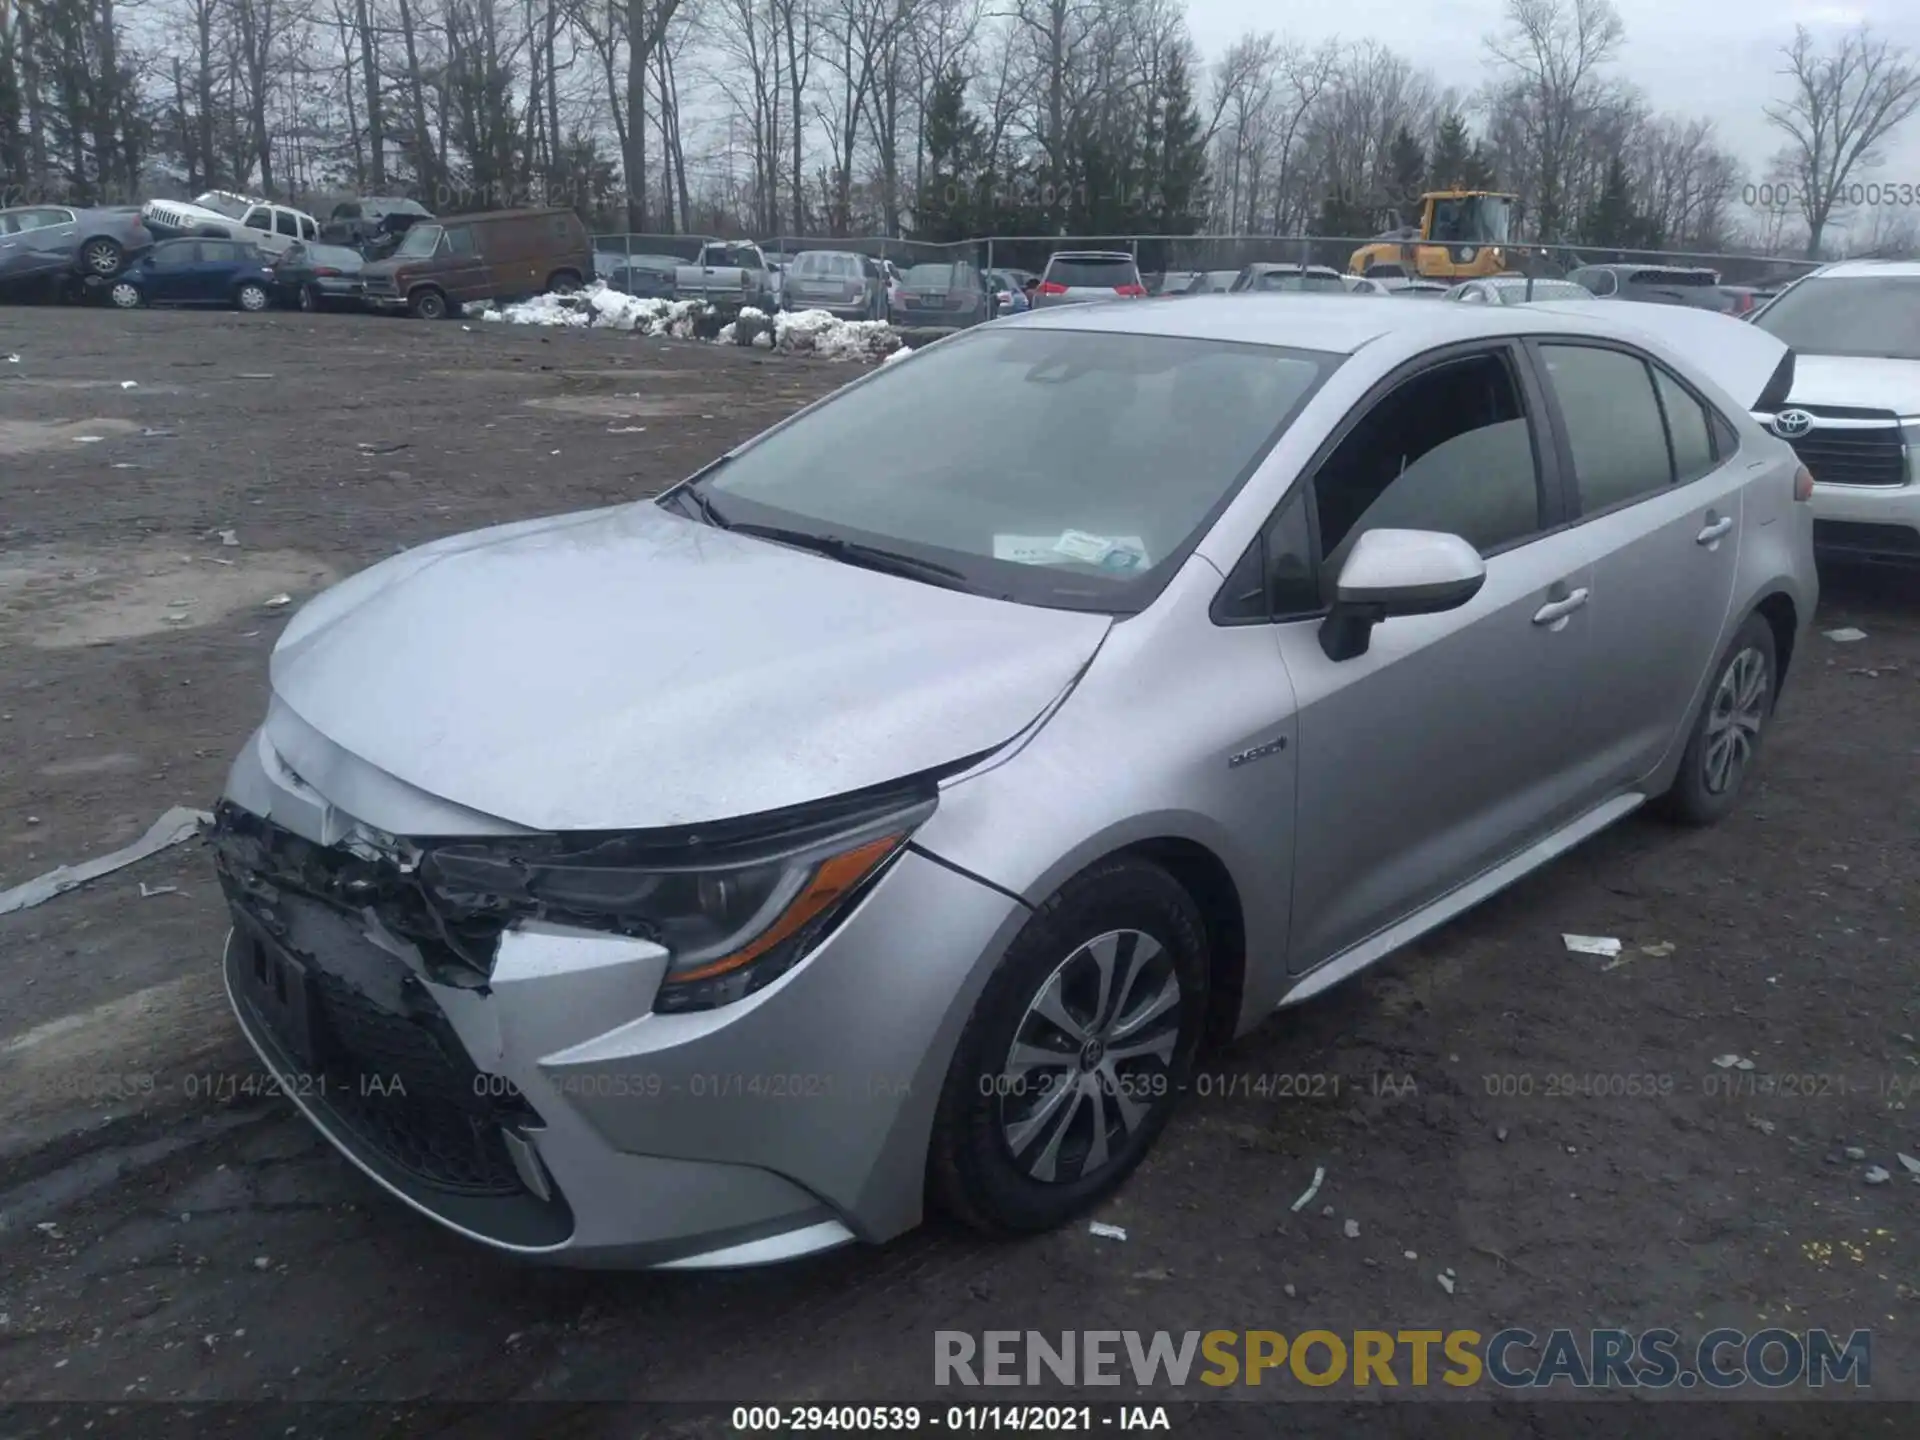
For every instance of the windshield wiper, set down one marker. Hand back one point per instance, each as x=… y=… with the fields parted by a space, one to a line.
x=852 y=552
x=702 y=507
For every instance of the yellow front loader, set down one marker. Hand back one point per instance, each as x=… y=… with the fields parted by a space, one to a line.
x=1461 y=235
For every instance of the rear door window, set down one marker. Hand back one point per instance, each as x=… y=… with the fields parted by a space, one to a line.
x=1093 y=274
x=1614 y=426
x=460 y=240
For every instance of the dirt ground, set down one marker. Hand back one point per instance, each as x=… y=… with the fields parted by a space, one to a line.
x=165 y=1234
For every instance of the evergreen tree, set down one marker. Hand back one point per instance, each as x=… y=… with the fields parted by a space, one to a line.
x=1612 y=222
x=1406 y=172
x=1452 y=152
x=1183 y=154
x=950 y=202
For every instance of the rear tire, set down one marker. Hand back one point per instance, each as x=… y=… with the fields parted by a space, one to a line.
x=125 y=296
x=563 y=282
x=102 y=256
x=1061 y=1081
x=427 y=304
x=1725 y=741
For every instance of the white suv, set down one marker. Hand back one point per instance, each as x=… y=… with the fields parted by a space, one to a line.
x=1853 y=414
x=270 y=227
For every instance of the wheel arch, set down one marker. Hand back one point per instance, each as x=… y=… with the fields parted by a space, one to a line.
x=1206 y=878
x=1782 y=615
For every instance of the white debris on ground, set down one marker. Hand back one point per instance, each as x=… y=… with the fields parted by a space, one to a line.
x=1845 y=635
x=1591 y=944
x=174 y=826
x=1107 y=1232
x=806 y=332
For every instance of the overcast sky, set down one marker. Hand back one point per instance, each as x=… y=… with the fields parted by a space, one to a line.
x=1692 y=57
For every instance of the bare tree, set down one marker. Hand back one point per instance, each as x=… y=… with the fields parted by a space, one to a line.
x=1551 y=53
x=1843 y=104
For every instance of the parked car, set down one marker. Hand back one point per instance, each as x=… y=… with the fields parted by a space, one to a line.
x=316 y=277
x=1515 y=290
x=219 y=213
x=842 y=282
x=374 y=224
x=1077 y=277
x=1853 y=412
x=1010 y=290
x=977 y=802
x=1655 y=284
x=1321 y=279
x=647 y=277
x=1744 y=300
x=232 y=274
x=941 y=294
x=1396 y=285
x=442 y=266
x=729 y=275
x=42 y=244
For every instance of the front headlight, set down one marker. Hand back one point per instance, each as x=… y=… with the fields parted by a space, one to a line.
x=732 y=915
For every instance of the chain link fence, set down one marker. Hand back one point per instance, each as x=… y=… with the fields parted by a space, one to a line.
x=1181 y=258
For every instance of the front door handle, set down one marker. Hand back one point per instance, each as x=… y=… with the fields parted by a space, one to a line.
x=1555 y=612
x=1714 y=530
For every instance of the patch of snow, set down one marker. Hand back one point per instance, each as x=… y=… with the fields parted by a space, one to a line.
x=806 y=332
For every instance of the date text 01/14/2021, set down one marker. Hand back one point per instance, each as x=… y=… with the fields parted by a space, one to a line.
x=951 y=1419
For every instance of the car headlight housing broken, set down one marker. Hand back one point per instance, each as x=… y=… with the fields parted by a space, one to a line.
x=733 y=915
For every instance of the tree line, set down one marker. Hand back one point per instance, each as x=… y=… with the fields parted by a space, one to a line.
x=937 y=119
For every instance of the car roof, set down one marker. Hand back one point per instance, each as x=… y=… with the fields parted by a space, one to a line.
x=1295 y=265
x=1334 y=324
x=1091 y=255
x=1861 y=269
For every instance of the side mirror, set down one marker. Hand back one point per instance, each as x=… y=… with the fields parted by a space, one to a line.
x=1397 y=572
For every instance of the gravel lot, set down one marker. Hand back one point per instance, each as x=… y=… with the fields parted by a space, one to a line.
x=187 y=1238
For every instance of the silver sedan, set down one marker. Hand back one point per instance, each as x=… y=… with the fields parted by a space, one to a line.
x=890 y=814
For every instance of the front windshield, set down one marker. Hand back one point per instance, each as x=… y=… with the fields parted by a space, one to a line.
x=1080 y=486
x=1868 y=315
x=420 y=242
x=234 y=207
x=1485 y=219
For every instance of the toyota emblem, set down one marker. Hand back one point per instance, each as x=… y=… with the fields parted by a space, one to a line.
x=1791 y=424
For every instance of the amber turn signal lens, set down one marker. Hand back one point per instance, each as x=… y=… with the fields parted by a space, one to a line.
x=1803 y=484
x=829 y=885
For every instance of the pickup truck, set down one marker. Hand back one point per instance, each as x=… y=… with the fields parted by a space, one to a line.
x=728 y=275
x=269 y=227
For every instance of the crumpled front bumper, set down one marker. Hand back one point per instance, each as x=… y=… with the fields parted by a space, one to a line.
x=570 y=1123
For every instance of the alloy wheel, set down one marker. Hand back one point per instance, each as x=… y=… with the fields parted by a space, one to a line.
x=1091 y=1058
x=1738 y=711
x=102 y=257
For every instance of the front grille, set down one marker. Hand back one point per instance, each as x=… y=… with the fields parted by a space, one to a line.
x=407 y=1098
x=1866 y=456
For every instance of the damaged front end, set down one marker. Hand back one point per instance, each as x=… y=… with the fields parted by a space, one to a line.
x=338 y=963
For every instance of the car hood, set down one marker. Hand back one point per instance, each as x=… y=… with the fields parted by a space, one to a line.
x=631 y=668
x=1866 y=382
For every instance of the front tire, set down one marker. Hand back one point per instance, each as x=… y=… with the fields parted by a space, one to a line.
x=252 y=298
x=1727 y=732
x=306 y=301
x=1075 y=1053
x=428 y=305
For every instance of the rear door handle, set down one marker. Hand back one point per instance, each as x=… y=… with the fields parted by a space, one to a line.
x=1555 y=611
x=1714 y=531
